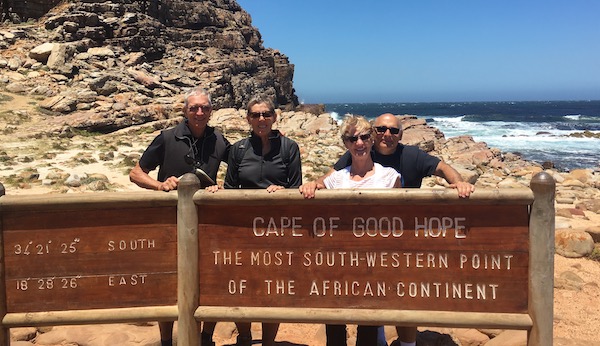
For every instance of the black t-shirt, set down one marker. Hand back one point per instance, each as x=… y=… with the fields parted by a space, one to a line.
x=170 y=148
x=411 y=162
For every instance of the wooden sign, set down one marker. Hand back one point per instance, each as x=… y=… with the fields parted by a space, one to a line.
x=442 y=257
x=73 y=257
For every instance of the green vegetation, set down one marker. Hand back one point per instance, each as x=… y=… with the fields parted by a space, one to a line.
x=595 y=255
x=11 y=180
x=8 y=130
x=129 y=161
x=85 y=158
x=25 y=177
x=14 y=118
x=84 y=133
x=144 y=130
x=59 y=145
x=5 y=98
x=122 y=143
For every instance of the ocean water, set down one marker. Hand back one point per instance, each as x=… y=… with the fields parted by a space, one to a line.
x=538 y=131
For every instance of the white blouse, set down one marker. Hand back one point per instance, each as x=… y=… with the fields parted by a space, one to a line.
x=384 y=177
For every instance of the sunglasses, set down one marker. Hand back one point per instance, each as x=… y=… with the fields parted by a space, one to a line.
x=354 y=139
x=382 y=129
x=256 y=115
x=195 y=108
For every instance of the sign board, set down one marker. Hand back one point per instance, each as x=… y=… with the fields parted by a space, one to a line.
x=442 y=257
x=76 y=258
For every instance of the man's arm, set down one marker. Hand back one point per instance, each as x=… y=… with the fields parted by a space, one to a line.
x=454 y=178
x=142 y=179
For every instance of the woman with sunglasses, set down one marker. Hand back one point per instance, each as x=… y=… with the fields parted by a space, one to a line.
x=358 y=137
x=265 y=160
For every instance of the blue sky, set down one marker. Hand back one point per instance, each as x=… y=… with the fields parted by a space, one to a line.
x=427 y=51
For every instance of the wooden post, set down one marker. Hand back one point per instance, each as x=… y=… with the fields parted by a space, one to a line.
x=187 y=260
x=4 y=332
x=541 y=260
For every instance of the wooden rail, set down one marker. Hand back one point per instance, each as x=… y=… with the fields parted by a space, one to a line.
x=417 y=257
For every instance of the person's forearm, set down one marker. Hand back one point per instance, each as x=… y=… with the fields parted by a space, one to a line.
x=142 y=179
x=146 y=182
x=447 y=172
x=455 y=180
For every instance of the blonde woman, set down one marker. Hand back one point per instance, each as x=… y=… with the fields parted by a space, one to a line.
x=363 y=173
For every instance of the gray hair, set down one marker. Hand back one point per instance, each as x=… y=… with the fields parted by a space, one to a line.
x=196 y=92
x=260 y=99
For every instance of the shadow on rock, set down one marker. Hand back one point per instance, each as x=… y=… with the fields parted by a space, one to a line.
x=429 y=338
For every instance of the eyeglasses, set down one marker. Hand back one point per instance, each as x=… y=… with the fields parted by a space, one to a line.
x=382 y=129
x=256 y=115
x=354 y=139
x=195 y=108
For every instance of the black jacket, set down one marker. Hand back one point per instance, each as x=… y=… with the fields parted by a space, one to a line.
x=169 y=149
x=248 y=168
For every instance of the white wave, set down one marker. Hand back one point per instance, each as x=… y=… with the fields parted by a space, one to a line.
x=573 y=116
x=335 y=116
x=448 y=119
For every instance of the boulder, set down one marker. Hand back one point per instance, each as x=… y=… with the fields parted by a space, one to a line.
x=42 y=52
x=573 y=243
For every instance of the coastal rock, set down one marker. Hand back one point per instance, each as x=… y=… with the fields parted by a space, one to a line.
x=471 y=337
x=573 y=243
x=42 y=52
x=218 y=49
x=104 y=334
x=569 y=280
x=417 y=132
x=591 y=205
x=573 y=183
x=583 y=175
x=23 y=334
x=74 y=180
x=509 y=338
x=594 y=232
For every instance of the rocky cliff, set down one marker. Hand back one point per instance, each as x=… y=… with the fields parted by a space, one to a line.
x=124 y=62
x=16 y=11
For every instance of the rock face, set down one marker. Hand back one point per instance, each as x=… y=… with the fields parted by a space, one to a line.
x=116 y=59
x=17 y=10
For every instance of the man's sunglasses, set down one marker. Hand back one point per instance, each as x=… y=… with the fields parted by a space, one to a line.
x=256 y=115
x=195 y=108
x=382 y=129
x=354 y=139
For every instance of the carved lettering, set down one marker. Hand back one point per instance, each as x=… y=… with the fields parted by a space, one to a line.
x=486 y=261
x=127 y=280
x=436 y=227
x=277 y=227
x=373 y=227
x=280 y=287
x=131 y=245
